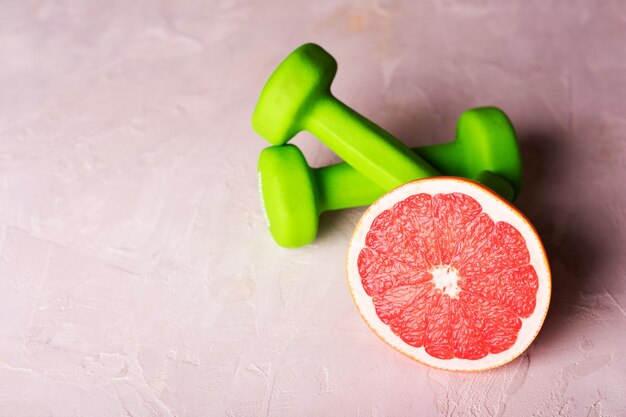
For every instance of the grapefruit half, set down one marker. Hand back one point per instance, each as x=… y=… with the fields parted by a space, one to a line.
x=450 y=274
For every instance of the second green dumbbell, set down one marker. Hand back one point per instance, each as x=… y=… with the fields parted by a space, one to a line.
x=293 y=194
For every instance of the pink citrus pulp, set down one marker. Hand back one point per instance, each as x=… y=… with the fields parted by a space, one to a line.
x=449 y=274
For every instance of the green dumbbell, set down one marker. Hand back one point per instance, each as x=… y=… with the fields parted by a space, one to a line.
x=297 y=97
x=293 y=194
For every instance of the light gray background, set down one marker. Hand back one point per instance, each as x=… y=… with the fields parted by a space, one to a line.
x=137 y=277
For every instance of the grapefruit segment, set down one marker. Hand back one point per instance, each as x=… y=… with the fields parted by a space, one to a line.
x=410 y=325
x=513 y=289
x=466 y=335
x=379 y=272
x=394 y=241
x=449 y=274
x=499 y=327
x=438 y=340
x=452 y=213
x=472 y=240
x=504 y=248
x=395 y=301
x=416 y=211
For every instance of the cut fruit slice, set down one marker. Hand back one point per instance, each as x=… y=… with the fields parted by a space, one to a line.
x=450 y=274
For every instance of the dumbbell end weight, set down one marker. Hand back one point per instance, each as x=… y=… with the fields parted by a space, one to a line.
x=488 y=142
x=290 y=91
x=288 y=195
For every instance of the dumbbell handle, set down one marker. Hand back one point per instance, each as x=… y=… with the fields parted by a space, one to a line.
x=364 y=145
x=341 y=186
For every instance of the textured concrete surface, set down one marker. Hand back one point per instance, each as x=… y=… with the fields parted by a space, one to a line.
x=136 y=274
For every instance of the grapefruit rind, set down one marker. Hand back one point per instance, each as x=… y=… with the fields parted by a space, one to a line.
x=499 y=210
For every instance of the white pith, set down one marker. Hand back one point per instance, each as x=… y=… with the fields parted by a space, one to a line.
x=445 y=278
x=499 y=210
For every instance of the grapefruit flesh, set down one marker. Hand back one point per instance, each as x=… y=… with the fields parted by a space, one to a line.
x=450 y=274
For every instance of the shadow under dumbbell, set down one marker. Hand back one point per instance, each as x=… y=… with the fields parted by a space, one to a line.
x=342 y=222
x=570 y=228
